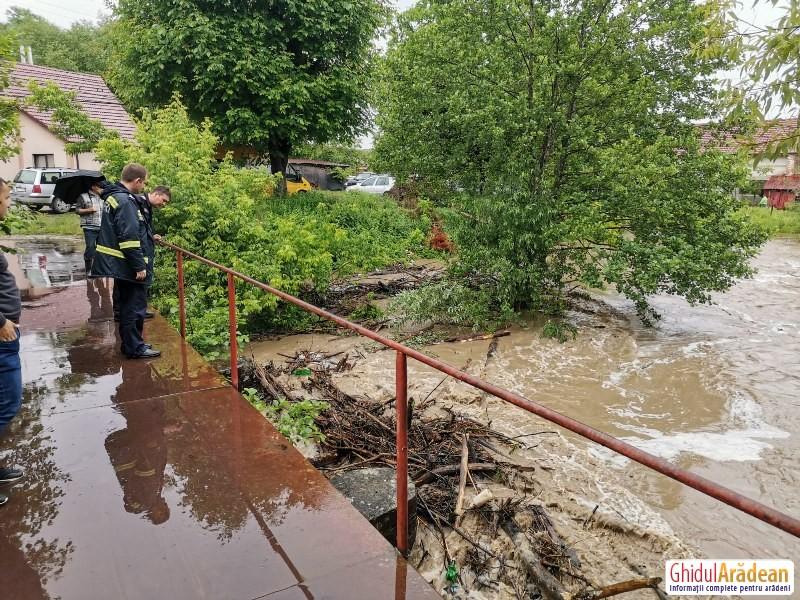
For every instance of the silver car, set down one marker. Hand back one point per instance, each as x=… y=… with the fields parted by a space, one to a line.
x=34 y=187
x=378 y=184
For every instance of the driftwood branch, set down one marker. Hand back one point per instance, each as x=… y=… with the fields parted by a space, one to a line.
x=622 y=588
x=270 y=384
x=462 y=481
x=549 y=586
x=429 y=476
x=475 y=337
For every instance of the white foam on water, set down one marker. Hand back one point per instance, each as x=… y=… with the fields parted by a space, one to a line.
x=729 y=446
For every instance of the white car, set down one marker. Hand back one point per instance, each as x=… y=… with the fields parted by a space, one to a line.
x=358 y=178
x=379 y=184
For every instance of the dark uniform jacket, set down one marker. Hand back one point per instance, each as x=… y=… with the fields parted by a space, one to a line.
x=125 y=245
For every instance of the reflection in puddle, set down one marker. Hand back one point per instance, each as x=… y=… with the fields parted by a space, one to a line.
x=43 y=263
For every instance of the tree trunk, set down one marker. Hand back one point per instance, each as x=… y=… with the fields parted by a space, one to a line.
x=279 y=150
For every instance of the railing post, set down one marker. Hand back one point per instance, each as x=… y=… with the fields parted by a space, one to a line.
x=181 y=293
x=401 y=402
x=232 y=324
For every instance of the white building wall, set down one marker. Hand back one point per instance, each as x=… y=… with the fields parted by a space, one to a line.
x=767 y=168
x=37 y=139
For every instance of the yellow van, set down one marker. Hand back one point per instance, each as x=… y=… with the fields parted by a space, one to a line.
x=295 y=182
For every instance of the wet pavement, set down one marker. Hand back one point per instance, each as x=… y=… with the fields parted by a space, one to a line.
x=155 y=479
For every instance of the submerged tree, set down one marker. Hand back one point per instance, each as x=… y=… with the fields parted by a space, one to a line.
x=562 y=131
x=269 y=74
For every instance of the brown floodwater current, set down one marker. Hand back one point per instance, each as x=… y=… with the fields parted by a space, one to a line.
x=712 y=388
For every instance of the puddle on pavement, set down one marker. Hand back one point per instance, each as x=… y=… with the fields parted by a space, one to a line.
x=712 y=389
x=43 y=264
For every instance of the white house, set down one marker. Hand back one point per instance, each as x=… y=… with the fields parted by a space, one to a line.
x=771 y=131
x=39 y=147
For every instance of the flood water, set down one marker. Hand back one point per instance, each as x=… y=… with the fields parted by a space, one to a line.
x=712 y=388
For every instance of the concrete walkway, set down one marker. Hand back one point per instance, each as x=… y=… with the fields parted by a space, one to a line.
x=155 y=479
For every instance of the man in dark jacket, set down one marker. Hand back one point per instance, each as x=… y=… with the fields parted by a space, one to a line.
x=125 y=252
x=157 y=198
x=10 y=366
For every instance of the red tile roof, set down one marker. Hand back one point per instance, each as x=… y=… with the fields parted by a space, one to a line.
x=729 y=142
x=94 y=96
x=783 y=182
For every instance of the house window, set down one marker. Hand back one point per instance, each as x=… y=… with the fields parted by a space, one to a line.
x=44 y=161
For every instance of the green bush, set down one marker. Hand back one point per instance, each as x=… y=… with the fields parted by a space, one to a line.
x=229 y=215
x=296 y=420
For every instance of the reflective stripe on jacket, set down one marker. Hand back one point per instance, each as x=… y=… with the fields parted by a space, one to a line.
x=125 y=245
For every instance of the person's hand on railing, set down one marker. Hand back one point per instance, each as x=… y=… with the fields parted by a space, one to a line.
x=157 y=237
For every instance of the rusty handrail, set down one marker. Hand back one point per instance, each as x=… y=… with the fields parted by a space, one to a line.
x=724 y=494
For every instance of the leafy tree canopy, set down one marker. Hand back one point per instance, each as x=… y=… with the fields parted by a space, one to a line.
x=69 y=121
x=9 y=117
x=269 y=74
x=563 y=132
x=340 y=153
x=773 y=64
x=84 y=47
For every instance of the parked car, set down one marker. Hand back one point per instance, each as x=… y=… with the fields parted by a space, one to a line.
x=378 y=184
x=358 y=178
x=34 y=187
x=295 y=182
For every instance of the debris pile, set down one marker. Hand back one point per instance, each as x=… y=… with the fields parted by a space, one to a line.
x=481 y=532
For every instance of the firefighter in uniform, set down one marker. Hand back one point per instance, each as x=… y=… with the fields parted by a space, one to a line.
x=125 y=252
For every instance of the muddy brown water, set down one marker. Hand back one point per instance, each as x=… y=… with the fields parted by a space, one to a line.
x=712 y=388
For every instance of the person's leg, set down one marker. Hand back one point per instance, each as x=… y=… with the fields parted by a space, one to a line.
x=133 y=297
x=10 y=383
x=90 y=236
x=148 y=314
x=141 y=309
x=115 y=300
x=10 y=397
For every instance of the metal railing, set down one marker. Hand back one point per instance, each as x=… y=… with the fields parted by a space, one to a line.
x=747 y=505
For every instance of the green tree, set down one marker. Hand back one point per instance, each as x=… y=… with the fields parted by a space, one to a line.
x=567 y=129
x=339 y=153
x=9 y=116
x=84 y=47
x=69 y=121
x=269 y=74
x=773 y=65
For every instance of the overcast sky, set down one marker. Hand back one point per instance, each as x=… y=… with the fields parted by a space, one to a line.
x=65 y=12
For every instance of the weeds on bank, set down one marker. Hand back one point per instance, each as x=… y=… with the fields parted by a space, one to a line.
x=294 y=419
x=776 y=222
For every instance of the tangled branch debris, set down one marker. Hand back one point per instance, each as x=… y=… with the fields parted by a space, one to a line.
x=468 y=485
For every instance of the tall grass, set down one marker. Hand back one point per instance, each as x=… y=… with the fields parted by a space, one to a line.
x=53 y=224
x=776 y=222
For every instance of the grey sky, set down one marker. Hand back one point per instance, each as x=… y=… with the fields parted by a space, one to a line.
x=65 y=12
x=59 y=12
